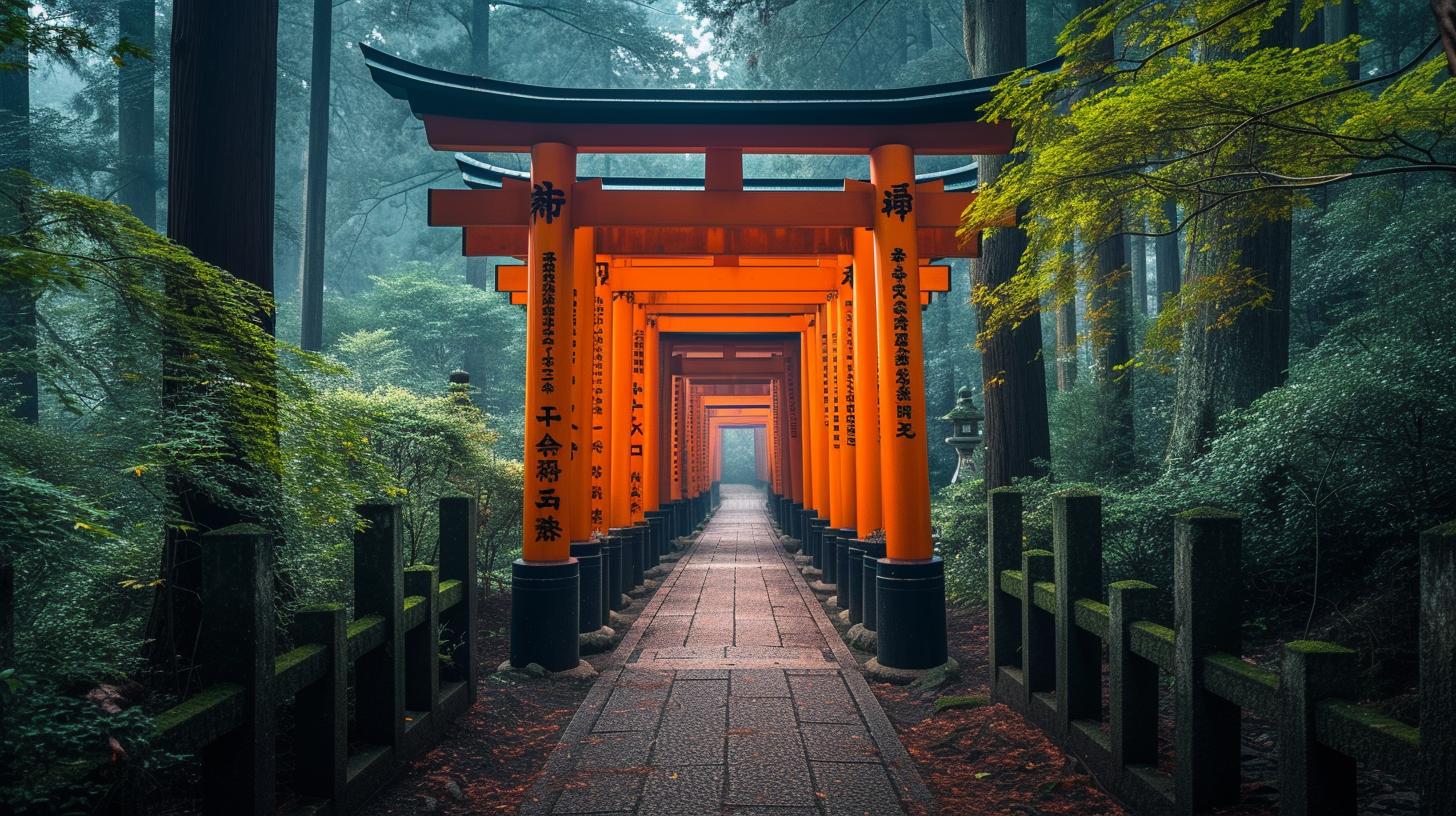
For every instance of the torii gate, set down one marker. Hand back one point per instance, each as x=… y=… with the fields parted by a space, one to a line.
x=660 y=311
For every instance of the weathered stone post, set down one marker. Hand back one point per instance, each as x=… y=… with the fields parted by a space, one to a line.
x=238 y=769
x=379 y=592
x=1003 y=552
x=1207 y=583
x=1077 y=551
x=459 y=521
x=421 y=654
x=1313 y=780
x=321 y=717
x=1438 y=670
x=1133 y=680
x=1038 y=630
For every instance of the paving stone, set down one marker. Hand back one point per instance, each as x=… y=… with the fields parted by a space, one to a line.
x=732 y=702
x=759 y=683
x=601 y=791
x=823 y=698
x=682 y=791
x=855 y=790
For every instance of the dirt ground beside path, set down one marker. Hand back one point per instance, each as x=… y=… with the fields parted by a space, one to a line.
x=982 y=758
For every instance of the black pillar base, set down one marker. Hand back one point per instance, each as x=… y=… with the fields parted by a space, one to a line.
x=910 y=600
x=842 y=539
x=618 y=572
x=869 y=572
x=829 y=547
x=657 y=520
x=588 y=555
x=854 y=579
x=796 y=522
x=544 y=614
x=644 y=552
x=815 y=528
x=631 y=556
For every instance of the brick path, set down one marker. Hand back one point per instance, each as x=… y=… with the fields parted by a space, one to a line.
x=731 y=694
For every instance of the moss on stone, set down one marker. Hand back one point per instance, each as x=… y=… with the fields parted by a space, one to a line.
x=1317 y=647
x=960 y=701
x=1206 y=513
x=1130 y=584
x=1038 y=554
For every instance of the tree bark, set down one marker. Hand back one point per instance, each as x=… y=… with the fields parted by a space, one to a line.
x=1223 y=368
x=223 y=104
x=136 y=112
x=1066 y=331
x=1018 y=440
x=1110 y=320
x=315 y=207
x=1340 y=21
x=1165 y=256
x=1138 y=263
x=477 y=270
x=17 y=301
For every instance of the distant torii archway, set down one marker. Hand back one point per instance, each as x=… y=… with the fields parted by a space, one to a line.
x=660 y=311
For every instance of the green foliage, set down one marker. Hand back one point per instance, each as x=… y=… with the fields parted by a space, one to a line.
x=52 y=34
x=63 y=753
x=1195 y=109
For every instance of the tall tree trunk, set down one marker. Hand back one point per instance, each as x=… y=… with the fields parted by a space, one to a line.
x=920 y=26
x=17 y=300
x=1110 y=317
x=1222 y=368
x=136 y=112
x=477 y=270
x=1066 y=331
x=1340 y=21
x=223 y=103
x=1018 y=440
x=1138 y=263
x=315 y=207
x=1165 y=256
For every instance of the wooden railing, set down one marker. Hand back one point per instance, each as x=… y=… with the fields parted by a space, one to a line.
x=401 y=696
x=1051 y=625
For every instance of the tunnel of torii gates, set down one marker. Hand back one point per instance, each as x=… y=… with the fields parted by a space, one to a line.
x=662 y=311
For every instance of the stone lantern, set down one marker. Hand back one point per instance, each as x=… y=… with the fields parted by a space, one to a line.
x=965 y=433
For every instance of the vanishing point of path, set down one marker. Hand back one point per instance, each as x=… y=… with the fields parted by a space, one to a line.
x=731 y=694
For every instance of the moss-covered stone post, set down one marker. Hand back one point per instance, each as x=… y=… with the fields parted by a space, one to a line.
x=321 y=718
x=1207 y=584
x=237 y=647
x=459 y=521
x=1077 y=554
x=1038 y=630
x=379 y=592
x=1132 y=680
x=1313 y=780
x=1003 y=552
x=421 y=652
x=1438 y=670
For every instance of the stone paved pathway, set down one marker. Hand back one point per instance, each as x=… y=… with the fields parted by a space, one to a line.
x=731 y=694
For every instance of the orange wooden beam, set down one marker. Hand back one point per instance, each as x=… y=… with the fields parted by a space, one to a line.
x=721 y=283
x=854 y=206
x=508 y=241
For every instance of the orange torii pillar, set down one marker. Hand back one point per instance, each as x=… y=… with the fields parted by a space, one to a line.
x=545 y=580
x=602 y=461
x=623 y=526
x=657 y=519
x=866 y=435
x=807 y=420
x=594 y=609
x=910 y=585
x=844 y=530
